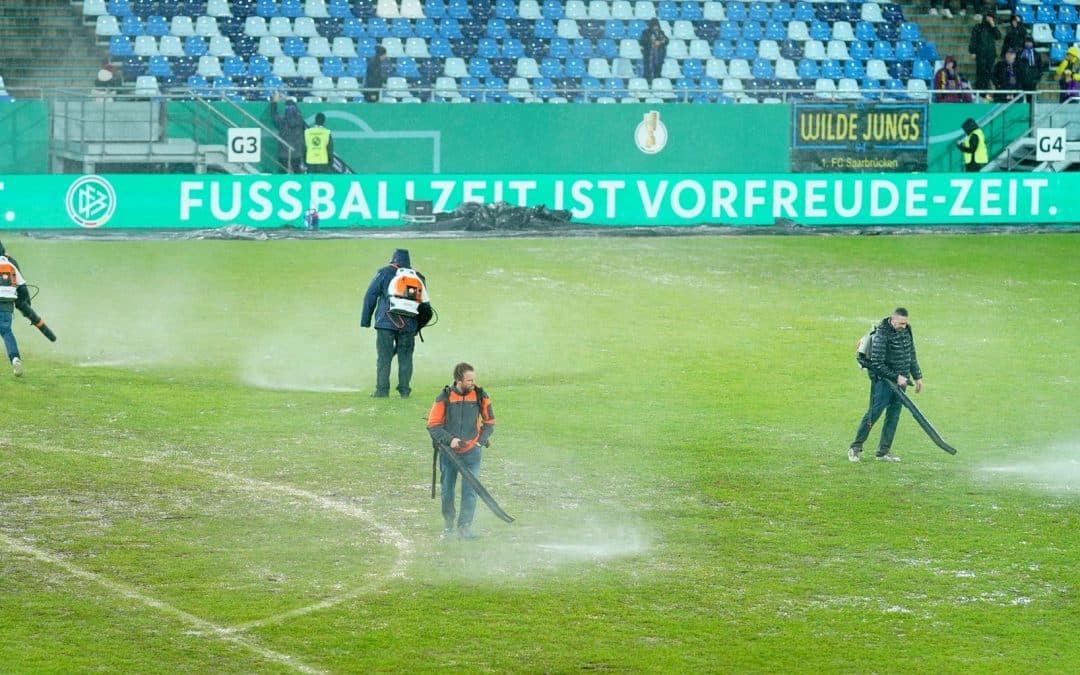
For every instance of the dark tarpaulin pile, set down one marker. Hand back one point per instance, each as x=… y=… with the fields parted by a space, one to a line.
x=476 y=217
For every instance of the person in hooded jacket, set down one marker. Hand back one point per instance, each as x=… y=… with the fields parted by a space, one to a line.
x=395 y=334
x=892 y=359
x=973 y=146
x=949 y=85
x=290 y=127
x=1068 y=74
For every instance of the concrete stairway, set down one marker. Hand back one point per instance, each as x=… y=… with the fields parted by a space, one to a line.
x=46 y=45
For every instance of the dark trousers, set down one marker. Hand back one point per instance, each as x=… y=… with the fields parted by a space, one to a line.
x=448 y=484
x=984 y=71
x=882 y=398
x=388 y=344
x=320 y=168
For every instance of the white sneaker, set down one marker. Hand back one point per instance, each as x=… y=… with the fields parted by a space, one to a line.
x=947 y=13
x=853 y=455
x=933 y=11
x=887 y=457
x=16 y=366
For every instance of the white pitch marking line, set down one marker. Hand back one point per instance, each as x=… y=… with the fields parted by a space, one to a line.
x=386 y=532
x=164 y=607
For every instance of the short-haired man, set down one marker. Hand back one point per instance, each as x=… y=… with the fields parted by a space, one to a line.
x=892 y=359
x=461 y=419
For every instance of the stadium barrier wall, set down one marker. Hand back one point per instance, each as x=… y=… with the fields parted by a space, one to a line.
x=519 y=139
x=837 y=200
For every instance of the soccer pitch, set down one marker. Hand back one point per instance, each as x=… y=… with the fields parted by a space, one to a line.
x=194 y=479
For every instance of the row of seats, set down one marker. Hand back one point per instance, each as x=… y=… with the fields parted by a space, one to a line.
x=527 y=67
x=342 y=47
x=668 y=10
x=795 y=29
x=586 y=89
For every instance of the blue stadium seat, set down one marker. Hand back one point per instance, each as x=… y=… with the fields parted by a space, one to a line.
x=118 y=8
x=231 y=66
x=735 y=11
x=854 y=69
x=496 y=28
x=333 y=66
x=922 y=70
x=559 y=48
x=505 y=9
x=450 y=29
x=159 y=66
x=776 y=30
x=132 y=26
x=266 y=8
x=378 y=27
x=781 y=12
x=752 y=30
x=693 y=68
x=723 y=49
x=574 y=67
x=634 y=29
x=614 y=29
x=582 y=48
x=245 y=45
x=259 y=66
x=293 y=46
x=857 y=49
x=871 y=88
x=120 y=45
x=1063 y=32
x=592 y=28
x=864 y=30
x=909 y=30
x=762 y=69
x=791 y=49
x=730 y=30
x=483 y=9
x=487 y=48
x=905 y=50
x=690 y=10
x=291 y=8
x=831 y=69
x=757 y=11
x=928 y=51
x=808 y=69
x=405 y=66
x=819 y=30
x=513 y=48
x=356 y=67
x=439 y=47
x=746 y=49
x=471 y=88
x=551 y=67
x=519 y=28
x=804 y=11
x=707 y=30
x=883 y=50
x=892 y=13
x=195 y=45
x=479 y=67
x=667 y=10
x=463 y=48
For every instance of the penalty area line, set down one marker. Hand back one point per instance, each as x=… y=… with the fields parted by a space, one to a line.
x=386 y=533
x=123 y=590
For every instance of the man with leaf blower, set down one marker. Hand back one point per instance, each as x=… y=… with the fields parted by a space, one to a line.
x=14 y=295
x=888 y=354
x=461 y=422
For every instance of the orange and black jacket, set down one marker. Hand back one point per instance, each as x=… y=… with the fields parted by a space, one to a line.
x=468 y=417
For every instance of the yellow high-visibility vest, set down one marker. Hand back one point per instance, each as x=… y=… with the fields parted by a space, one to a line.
x=981 y=154
x=316 y=140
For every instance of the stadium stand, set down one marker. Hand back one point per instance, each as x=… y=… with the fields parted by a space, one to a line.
x=516 y=51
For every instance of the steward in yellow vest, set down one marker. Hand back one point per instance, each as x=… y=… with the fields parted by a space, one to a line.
x=318 y=147
x=973 y=147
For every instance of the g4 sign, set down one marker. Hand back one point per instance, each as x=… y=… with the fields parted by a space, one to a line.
x=1050 y=145
x=245 y=145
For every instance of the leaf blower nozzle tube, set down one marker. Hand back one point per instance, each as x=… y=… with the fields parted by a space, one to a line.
x=36 y=320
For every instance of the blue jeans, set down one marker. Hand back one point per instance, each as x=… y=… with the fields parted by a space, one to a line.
x=388 y=344
x=9 y=337
x=882 y=398
x=448 y=482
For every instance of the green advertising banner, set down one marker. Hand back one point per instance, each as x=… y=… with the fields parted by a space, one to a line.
x=852 y=200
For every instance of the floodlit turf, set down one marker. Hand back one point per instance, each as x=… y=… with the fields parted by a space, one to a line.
x=193 y=478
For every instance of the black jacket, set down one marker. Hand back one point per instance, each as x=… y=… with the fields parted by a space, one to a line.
x=893 y=353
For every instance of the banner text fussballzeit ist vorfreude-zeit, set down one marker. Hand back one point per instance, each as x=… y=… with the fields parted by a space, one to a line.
x=200 y=201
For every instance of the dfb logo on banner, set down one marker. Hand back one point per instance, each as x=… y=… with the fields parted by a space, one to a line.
x=245 y=145
x=1050 y=145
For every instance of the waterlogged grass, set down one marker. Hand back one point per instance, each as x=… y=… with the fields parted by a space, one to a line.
x=194 y=478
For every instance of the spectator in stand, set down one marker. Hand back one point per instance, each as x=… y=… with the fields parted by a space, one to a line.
x=375 y=78
x=1007 y=77
x=983 y=45
x=1014 y=35
x=654 y=43
x=1032 y=65
x=948 y=80
x=1068 y=74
